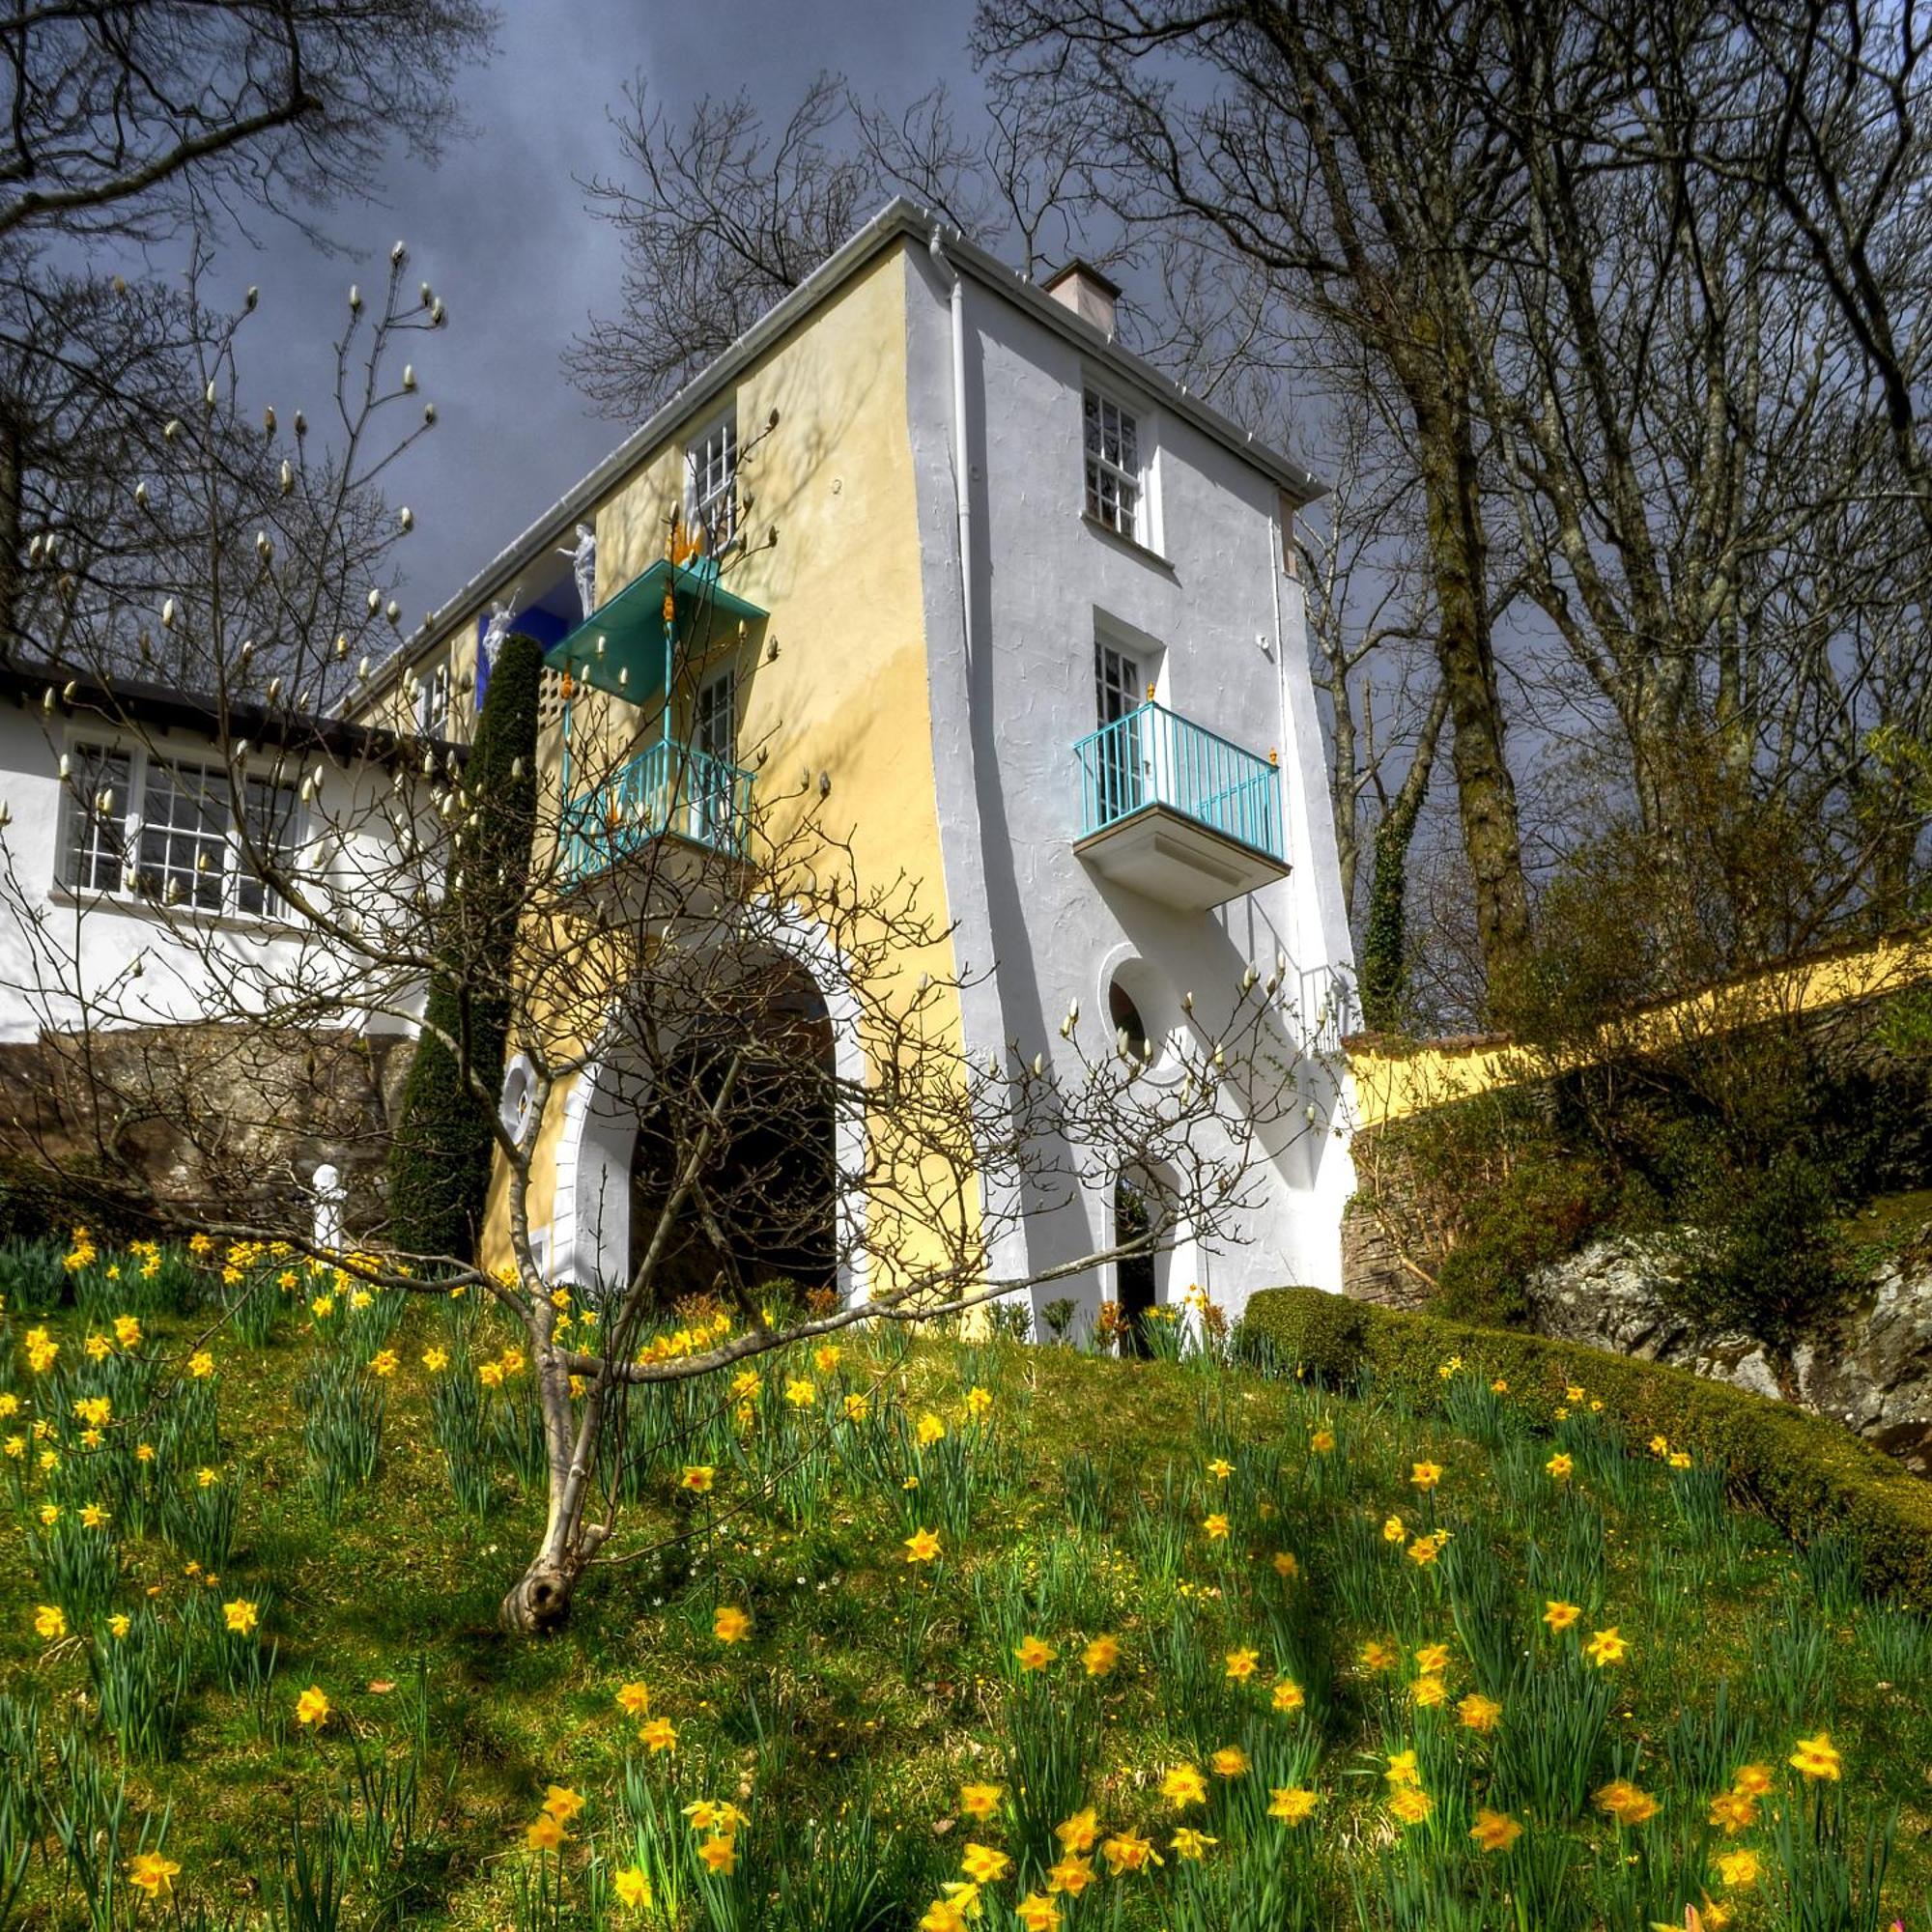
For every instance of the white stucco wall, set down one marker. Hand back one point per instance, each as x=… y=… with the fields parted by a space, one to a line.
x=1233 y=658
x=69 y=961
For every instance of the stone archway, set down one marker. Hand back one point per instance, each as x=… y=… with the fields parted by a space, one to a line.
x=606 y=1156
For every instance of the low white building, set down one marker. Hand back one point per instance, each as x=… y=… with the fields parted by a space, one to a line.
x=129 y=896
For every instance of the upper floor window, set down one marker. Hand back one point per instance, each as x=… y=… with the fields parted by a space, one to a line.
x=169 y=830
x=712 y=493
x=1116 y=482
x=433 y=705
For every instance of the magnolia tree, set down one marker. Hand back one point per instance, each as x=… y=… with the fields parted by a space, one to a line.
x=694 y=976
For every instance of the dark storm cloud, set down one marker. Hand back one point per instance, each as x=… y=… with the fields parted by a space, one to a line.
x=499 y=230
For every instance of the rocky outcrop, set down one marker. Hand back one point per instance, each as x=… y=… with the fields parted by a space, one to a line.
x=1869 y=1368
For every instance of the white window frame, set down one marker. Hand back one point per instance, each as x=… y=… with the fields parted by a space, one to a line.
x=432 y=703
x=1099 y=470
x=711 y=478
x=130 y=822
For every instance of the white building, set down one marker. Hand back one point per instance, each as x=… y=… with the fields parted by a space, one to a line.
x=1036 y=607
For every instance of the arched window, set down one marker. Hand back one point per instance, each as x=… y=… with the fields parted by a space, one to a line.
x=1126 y=1019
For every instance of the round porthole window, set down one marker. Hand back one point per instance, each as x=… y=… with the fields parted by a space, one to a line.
x=519 y=1094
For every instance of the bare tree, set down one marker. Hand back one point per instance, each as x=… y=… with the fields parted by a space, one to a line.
x=132 y=121
x=154 y=125
x=722 y=219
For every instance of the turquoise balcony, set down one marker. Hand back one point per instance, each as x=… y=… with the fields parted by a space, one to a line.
x=1177 y=811
x=668 y=791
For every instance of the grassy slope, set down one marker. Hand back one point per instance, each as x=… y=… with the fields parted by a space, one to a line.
x=869 y=1687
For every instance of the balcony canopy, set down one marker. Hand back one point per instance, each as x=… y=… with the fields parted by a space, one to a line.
x=625 y=646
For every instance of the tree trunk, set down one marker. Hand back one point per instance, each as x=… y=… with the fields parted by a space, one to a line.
x=538 y=1603
x=1464 y=654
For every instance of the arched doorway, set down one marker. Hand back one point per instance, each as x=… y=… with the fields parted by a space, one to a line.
x=770 y=1179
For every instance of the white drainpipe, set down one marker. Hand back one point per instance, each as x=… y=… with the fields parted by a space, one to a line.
x=962 y=474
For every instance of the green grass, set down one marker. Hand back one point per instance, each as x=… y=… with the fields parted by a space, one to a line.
x=870 y=1689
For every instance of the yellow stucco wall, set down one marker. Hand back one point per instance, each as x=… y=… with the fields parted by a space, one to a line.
x=846 y=692
x=1394 y=1084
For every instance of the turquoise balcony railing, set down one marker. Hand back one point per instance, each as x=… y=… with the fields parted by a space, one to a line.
x=1154 y=757
x=667 y=790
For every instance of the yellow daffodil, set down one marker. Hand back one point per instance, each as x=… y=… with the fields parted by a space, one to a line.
x=984 y=1865
x=149 y=1872
x=1606 y=1646
x=1494 y=1831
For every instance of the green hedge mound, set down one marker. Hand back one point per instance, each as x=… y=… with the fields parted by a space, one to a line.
x=1802 y=1473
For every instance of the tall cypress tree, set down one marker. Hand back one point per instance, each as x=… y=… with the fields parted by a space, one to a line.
x=440 y=1154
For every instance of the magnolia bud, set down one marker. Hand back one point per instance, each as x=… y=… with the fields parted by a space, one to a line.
x=341 y=644
x=408 y=376
x=301 y=424
x=355 y=300
x=393 y=611
x=172 y=431
x=208 y=396
x=268 y=420
x=438 y=314
x=429 y=412
x=1187 y=1001
x=374 y=602
x=287 y=476
x=253 y=295
x=168 y=614
x=397 y=254
x=141 y=495
x=407 y=517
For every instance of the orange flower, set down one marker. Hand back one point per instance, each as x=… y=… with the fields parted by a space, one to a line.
x=1625 y=1802
x=1101 y=1656
x=1494 y=1831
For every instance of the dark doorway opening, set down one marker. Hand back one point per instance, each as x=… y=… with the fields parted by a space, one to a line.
x=1133 y=1274
x=771 y=1180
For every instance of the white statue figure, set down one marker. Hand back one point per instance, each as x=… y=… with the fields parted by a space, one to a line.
x=496 y=630
x=583 y=556
x=330 y=1198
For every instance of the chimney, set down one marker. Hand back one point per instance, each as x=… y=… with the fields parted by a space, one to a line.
x=1087 y=292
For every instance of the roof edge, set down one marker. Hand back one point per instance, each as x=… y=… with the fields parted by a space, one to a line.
x=901 y=218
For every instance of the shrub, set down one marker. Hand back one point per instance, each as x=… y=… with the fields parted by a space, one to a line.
x=444 y=1140
x=1804 y=1473
x=1542 y=1212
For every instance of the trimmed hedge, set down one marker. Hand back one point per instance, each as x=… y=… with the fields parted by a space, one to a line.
x=1804 y=1473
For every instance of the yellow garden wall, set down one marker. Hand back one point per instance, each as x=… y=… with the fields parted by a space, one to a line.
x=1391 y=1083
